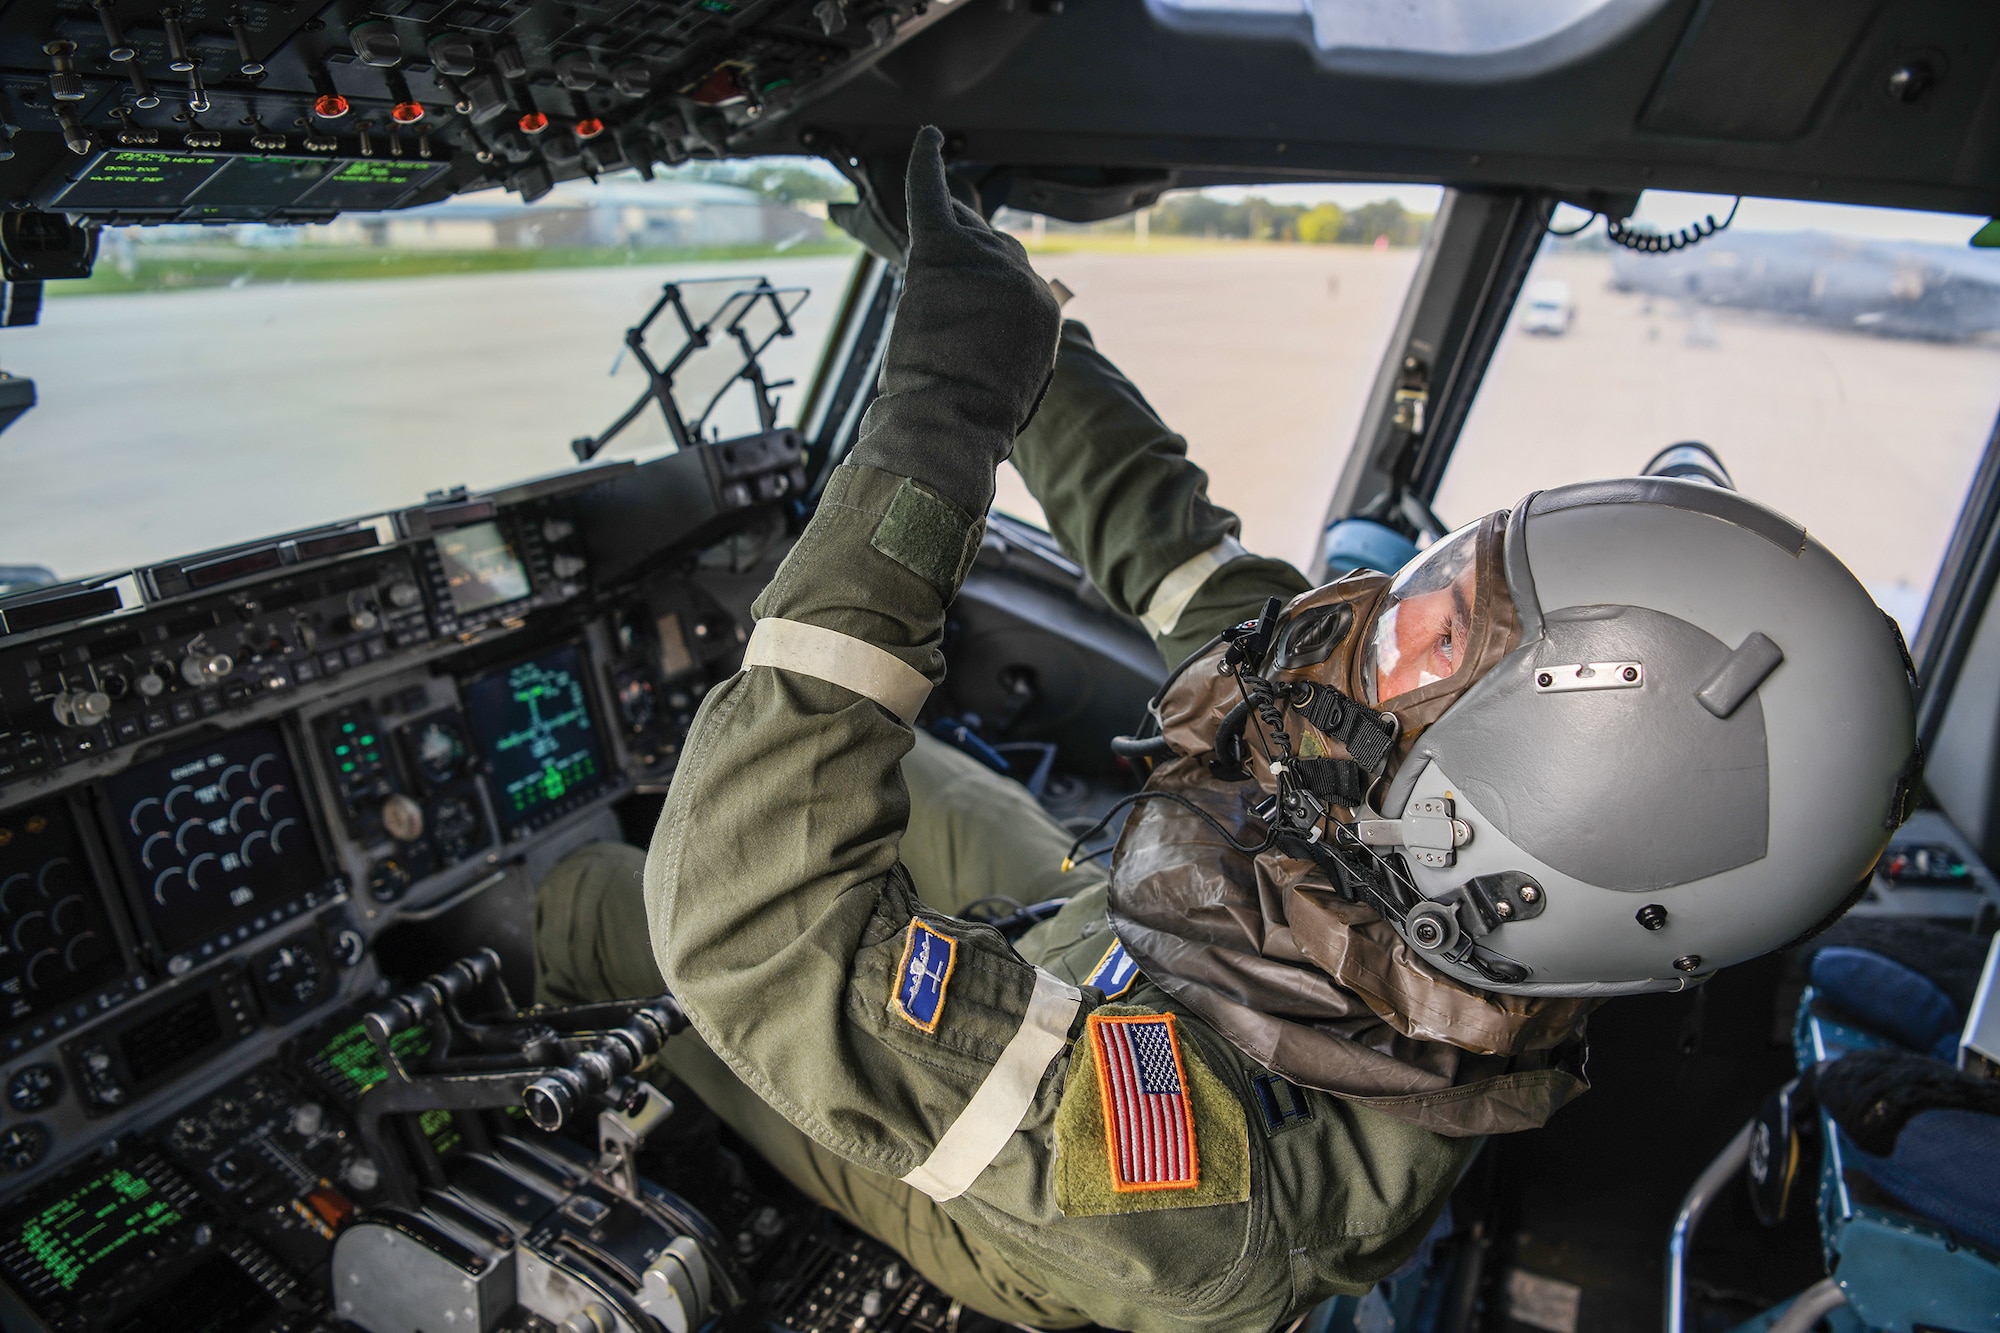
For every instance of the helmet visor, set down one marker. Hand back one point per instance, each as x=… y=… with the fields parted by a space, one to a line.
x=1424 y=631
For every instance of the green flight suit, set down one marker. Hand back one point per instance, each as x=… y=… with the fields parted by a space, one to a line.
x=806 y=850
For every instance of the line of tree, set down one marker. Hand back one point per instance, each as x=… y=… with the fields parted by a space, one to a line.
x=1259 y=219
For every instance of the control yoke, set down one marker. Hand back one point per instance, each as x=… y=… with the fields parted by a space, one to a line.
x=552 y=1063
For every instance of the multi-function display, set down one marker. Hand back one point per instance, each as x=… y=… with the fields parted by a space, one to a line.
x=535 y=729
x=480 y=567
x=216 y=839
x=56 y=942
x=64 y=1242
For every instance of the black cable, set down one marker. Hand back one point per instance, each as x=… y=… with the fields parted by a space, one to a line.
x=971 y=910
x=1126 y=802
x=1573 y=231
x=1666 y=243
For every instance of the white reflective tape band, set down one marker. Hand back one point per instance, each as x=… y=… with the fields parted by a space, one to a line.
x=840 y=659
x=1177 y=589
x=994 y=1113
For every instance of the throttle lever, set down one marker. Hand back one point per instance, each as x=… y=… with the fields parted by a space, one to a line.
x=601 y=1067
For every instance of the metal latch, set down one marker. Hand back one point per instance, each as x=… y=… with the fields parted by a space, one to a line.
x=1426 y=831
x=1412 y=395
x=620 y=1135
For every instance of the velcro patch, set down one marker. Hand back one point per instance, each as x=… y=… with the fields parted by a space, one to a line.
x=1096 y=1174
x=1282 y=1103
x=929 y=536
x=918 y=994
x=1115 y=972
x=1148 y=1119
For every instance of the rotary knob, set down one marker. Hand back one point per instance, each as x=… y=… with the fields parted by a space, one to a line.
x=403 y=595
x=203 y=668
x=403 y=817
x=82 y=708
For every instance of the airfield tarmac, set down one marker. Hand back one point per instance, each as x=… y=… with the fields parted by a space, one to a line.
x=172 y=421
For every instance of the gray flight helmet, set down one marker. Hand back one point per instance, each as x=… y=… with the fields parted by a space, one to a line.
x=1695 y=756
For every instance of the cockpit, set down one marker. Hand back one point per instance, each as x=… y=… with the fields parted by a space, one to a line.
x=402 y=406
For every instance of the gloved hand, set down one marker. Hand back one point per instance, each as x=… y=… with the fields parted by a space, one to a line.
x=972 y=350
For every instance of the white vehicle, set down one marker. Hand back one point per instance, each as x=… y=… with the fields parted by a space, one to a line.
x=1549 y=309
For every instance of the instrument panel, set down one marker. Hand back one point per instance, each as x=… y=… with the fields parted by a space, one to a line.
x=224 y=778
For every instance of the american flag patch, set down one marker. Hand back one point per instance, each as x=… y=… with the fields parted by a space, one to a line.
x=1148 y=1120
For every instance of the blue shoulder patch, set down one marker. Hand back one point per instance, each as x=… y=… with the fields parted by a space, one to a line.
x=1115 y=972
x=918 y=993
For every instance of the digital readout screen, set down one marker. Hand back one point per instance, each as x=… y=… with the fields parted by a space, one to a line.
x=164 y=181
x=56 y=941
x=535 y=731
x=262 y=182
x=216 y=837
x=170 y=1038
x=371 y=183
x=350 y=1063
x=153 y=181
x=480 y=567
x=68 y=1240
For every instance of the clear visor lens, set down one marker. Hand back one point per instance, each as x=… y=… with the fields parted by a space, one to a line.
x=1421 y=632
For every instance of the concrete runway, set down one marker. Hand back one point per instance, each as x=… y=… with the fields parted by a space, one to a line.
x=174 y=421
x=1261 y=356
x=169 y=422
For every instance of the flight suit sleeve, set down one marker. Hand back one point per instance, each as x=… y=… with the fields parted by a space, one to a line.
x=1126 y=503
x=909 y=1042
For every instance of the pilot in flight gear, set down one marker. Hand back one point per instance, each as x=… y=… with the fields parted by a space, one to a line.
x=1346 y=933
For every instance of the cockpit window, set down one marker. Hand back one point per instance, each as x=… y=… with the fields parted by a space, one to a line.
x=1254 y=321
x=1844 y=364
x=209 y=385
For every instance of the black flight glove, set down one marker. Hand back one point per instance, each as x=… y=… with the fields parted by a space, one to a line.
x=972 y=351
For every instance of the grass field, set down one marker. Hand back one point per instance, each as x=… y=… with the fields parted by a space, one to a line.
x=164 y=268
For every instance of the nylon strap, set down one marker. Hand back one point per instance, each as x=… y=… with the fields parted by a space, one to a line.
x=1183 y=581
x=1339 y=781
x=994 y=1113
x=839 y=659
x=1362 y=730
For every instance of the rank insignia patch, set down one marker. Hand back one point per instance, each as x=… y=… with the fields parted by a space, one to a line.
x=918 y=993
x=1148 y=1118
x=1115 y=972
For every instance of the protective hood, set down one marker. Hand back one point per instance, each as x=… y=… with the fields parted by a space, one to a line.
x=1303 y=977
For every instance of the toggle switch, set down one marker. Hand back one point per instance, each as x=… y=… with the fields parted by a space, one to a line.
x=115 y=45
x=246 y=64
x=179 y=59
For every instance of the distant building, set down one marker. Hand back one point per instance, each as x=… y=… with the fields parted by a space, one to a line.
x=651 y=215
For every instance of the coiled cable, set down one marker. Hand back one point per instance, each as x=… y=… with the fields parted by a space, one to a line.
x=1651 y=242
